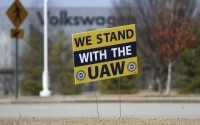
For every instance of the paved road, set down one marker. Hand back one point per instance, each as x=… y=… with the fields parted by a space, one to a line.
x=106 y=110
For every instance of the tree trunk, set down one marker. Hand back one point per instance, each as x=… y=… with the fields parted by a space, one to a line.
x=168 y=84
x=159 y=85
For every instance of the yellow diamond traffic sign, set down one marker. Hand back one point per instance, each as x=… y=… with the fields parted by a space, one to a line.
x=17 y=13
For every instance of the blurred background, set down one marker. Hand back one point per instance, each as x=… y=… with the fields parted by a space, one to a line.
x=168 y=42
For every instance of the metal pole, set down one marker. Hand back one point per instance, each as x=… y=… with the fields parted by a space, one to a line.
x=16 y=68
x=45 y=36
x=45 y=77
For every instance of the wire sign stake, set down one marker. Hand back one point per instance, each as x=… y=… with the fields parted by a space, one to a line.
x=96 y=101
x=119 y=93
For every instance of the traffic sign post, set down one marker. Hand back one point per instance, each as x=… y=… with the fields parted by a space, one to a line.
x=17 y=15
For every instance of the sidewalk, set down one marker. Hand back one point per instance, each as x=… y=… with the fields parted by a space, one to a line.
x=136 y=98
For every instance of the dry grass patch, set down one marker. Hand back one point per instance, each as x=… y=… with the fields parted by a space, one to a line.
x=65 y=121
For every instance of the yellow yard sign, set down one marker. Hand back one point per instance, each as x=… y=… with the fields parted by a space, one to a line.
x=104 y=54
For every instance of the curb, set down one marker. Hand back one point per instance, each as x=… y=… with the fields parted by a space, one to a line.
x=101 y=99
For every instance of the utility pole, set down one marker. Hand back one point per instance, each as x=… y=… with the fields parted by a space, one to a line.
x=45 y=76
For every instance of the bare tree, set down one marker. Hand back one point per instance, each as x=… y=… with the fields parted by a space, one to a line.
x=144 y=18
x=148 y=15
x=174 y=31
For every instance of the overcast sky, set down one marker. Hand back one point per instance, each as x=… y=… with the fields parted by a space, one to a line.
x=60 y=3
x=63 y=3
